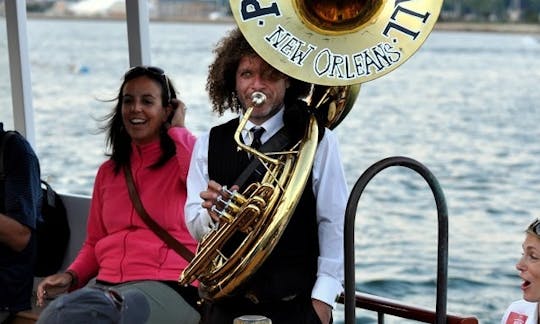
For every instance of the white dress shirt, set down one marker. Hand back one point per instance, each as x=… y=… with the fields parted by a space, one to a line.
x=331 y=194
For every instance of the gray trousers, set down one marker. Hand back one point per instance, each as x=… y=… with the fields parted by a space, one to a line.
x=166 y=305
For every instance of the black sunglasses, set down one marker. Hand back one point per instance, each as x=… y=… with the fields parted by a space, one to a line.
x=142 y=69
x=535 y=227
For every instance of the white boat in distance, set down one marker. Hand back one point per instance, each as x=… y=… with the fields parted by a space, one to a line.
x=95 y=7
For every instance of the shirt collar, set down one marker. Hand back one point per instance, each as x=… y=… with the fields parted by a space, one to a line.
x=271 y=126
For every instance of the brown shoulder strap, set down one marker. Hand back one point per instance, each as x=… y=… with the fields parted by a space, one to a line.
x=158 y=230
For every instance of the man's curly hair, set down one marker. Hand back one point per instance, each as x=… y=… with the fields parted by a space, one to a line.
x=221 y=82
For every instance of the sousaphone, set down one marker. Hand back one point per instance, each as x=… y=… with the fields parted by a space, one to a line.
x=335 y=46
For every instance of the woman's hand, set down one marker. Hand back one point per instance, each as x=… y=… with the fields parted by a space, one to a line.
x=323 y=310
x=53 y=286
x=179 y=113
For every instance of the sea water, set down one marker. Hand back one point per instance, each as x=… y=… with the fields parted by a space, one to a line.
x=465 y=105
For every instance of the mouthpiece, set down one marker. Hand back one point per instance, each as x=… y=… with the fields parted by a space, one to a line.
x=258 y=98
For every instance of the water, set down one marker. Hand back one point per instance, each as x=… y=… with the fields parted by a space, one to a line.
x=465 y=106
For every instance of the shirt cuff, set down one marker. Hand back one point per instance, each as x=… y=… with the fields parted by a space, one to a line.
x=327 y=290
x=201 y=226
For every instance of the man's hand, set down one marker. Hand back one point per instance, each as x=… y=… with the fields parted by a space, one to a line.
x=210 y=198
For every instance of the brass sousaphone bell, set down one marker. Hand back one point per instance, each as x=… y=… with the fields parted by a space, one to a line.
x=336 y=43
x=336 y=46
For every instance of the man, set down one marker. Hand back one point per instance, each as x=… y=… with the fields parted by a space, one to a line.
x=301 y=278
x=20 y=201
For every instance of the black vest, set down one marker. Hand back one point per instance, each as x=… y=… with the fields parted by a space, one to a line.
x=291 y=268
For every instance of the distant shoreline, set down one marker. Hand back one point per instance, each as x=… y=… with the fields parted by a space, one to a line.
x=442 y=26
x=489 y=27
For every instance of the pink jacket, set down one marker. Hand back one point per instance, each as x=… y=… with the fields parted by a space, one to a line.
x=119 y=247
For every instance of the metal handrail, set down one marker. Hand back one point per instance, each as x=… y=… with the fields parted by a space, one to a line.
x=350 y=214
x=386 y=306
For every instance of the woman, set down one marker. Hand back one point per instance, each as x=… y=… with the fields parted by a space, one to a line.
x=525 y=311
x=146 y=133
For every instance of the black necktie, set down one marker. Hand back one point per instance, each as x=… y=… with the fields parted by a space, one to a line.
x=257 y=132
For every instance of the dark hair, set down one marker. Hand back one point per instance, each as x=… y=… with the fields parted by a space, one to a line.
x=221 y=81
x=118 y=139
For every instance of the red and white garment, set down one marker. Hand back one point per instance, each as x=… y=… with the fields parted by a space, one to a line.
x=521 y=312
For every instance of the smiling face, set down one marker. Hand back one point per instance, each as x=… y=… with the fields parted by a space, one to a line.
x=254 y=74
x=529 y=268
x=142 y=111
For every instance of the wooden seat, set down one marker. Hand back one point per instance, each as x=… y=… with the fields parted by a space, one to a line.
x=27 y=317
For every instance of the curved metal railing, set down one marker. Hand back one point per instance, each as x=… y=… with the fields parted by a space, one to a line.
x=350 y=214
